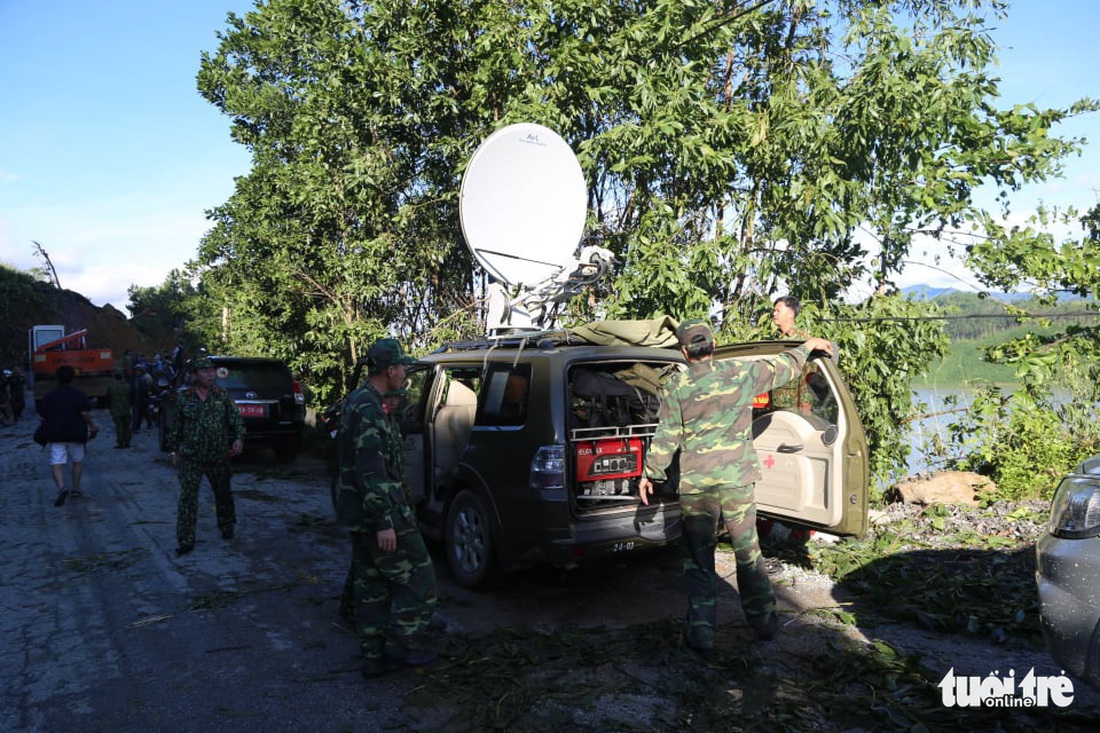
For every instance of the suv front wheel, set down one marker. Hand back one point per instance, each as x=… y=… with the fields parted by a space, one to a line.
x=468 y=540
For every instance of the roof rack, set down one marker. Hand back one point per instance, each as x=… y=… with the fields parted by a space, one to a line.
x=516 y=340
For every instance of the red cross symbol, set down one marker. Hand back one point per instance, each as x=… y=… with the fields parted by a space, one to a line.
x=769 y=462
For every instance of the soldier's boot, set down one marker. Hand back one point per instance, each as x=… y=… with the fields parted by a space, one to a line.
x=378 y=666
x=414 y=657
x=767 y=627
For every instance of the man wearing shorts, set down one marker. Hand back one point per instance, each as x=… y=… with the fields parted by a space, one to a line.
x=66 y=415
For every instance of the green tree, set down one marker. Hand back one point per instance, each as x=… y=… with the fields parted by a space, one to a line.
x=161 y=312
x=343 y=230
x=1027 y=439
x=19 y=299
x=731 y=150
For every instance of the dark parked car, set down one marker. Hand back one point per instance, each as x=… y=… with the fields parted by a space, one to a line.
x=268 y=397
x=530 y=449
x=1068 y=573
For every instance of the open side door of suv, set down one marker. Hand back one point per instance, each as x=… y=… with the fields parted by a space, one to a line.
x=811 y=445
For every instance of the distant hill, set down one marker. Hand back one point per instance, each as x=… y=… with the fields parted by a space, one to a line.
x=928 y=292
x=976 y=324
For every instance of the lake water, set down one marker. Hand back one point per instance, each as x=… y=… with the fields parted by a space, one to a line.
x=938 y=414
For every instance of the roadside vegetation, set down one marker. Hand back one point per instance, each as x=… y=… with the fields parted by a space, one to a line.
x=736 y=153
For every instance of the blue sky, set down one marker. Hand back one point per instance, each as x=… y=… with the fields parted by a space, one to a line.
x=109 y=157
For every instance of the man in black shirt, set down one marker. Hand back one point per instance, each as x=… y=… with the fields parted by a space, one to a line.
x=67 y=424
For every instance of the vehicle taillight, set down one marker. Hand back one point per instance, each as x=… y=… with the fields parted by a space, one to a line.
x=548 y=467
x=299 y=398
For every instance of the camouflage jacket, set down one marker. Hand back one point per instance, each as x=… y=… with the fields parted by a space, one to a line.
x=706 y=414
x=118 y=398
x=371 y=490
x=790 y=395
x=203 y=430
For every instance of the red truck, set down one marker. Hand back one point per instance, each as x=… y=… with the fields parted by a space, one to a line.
x=50 y=347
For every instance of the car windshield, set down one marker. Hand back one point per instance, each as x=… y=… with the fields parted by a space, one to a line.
x=263 y=377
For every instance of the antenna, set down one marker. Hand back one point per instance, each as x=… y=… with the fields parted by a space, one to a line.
x=522 y=207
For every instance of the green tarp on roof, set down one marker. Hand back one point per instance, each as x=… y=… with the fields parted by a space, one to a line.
x=657 y=332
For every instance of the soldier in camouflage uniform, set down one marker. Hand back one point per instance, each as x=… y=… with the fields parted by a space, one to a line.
x=784 y=314
x=390 y=402
x=395 y=591
x=706 y=415
x=791 y=395
x=206 y=432
x=118 y=402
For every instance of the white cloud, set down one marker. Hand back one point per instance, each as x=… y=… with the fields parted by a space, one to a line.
x=100 y=249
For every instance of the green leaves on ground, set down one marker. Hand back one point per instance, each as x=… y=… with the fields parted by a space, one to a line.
x=941 y=572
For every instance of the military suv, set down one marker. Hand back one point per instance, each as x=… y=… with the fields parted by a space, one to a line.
x=268 y=397
x=529 y=448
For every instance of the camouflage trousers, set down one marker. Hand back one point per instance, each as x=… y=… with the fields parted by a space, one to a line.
x=701 y=513
x=190 y=475
x=123 y=432
x=394 y=591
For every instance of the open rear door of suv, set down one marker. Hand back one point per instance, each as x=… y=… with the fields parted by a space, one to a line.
x=811 y=445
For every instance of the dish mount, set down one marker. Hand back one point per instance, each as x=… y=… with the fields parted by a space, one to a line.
x=522 y=208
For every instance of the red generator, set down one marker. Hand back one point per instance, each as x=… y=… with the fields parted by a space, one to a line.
x=606 y=468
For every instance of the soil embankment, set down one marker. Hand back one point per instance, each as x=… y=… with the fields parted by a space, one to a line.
x=41 y=304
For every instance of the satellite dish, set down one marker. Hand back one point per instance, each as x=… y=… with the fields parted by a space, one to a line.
x=523 y=204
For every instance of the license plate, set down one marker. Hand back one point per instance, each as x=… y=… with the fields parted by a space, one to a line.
x=253 y=410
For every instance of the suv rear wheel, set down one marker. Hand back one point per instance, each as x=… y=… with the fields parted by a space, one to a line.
x=468 y=540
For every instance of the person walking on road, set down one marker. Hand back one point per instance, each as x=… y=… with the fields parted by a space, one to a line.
x=706 y=416
x=205 y=418
x=67 y=425
x=6 y=414
x=118 y=402
x=139 y=396
x=17 y=385
x=394 y=587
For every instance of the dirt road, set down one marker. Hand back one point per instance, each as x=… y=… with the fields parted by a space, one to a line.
x=105 y=629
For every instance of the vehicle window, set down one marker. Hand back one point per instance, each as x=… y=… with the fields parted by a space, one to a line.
x=256 y=377
x=411 y=406
x=455 y=390
x=505 y=397
x=614 y=395
x=810 y=394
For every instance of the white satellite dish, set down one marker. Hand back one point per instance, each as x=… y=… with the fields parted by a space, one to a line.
x=523 y=204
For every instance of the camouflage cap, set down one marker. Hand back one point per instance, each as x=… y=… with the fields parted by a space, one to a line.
x=694 y=332
x=387 y=352
x=202 y=363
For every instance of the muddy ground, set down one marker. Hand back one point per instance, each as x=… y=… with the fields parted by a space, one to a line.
x=105 y=629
